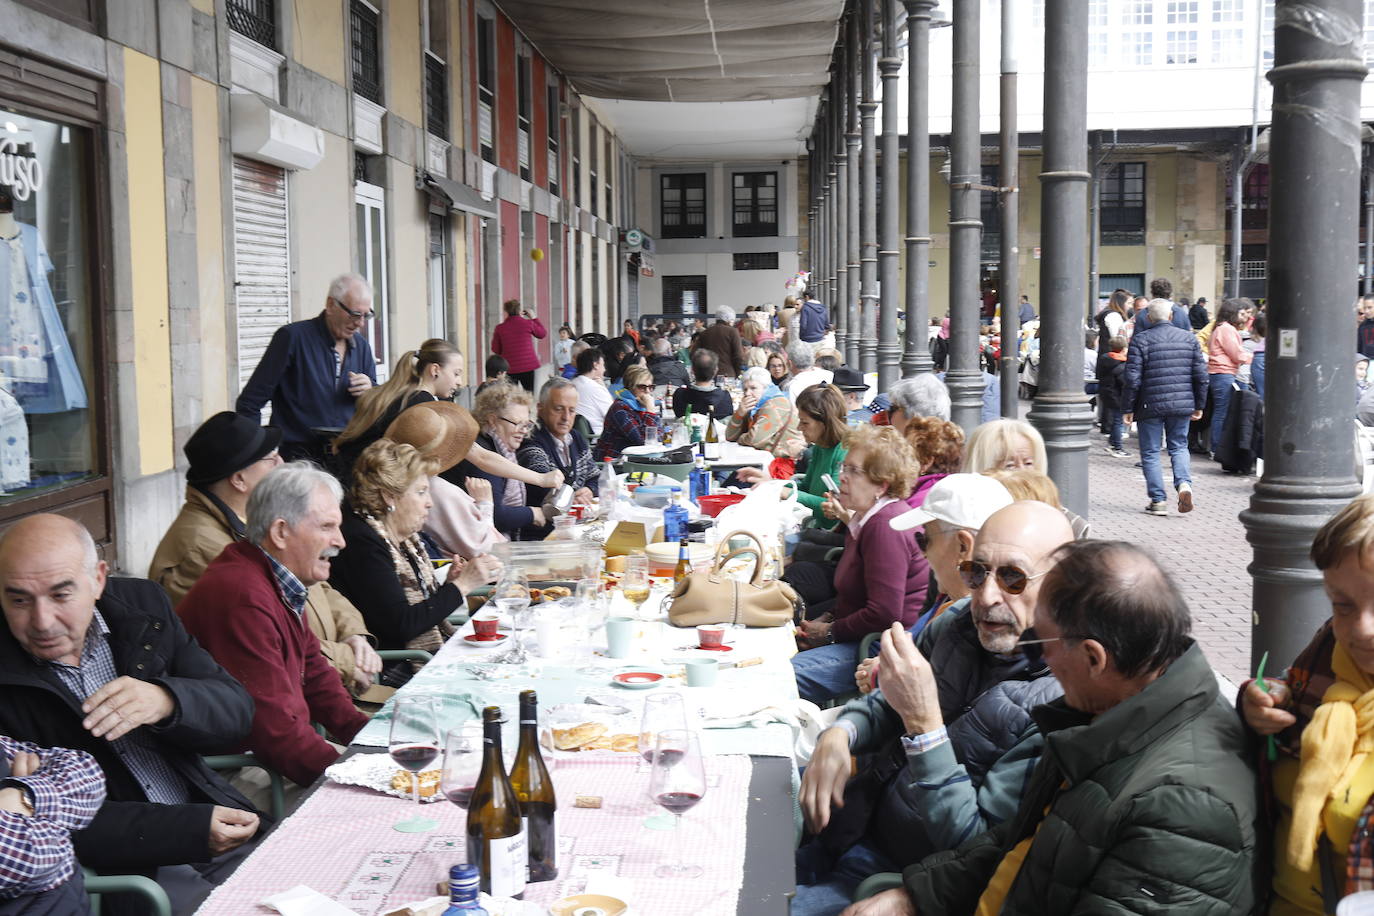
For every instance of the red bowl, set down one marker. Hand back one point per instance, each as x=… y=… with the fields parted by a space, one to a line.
x=715 y=505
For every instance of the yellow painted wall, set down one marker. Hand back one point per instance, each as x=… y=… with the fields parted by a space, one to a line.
x=321 y=201
x=214 y=348
x=409 y=258
x=205 y=6
x=317 y=42
x=404 y=61
x=148 y=261
x=462 y=306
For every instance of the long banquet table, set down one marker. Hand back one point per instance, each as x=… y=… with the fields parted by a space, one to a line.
x=339 y=841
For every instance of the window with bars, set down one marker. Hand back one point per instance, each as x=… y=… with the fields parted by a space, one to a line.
x=436 y=96
x=524 y=108
x=555 y=121
x=990 y=212
x=682 y=206
x=1122 y=207
x=366 y=52
x=756 y=260
x=255 y=19
x=755 y=204
x=1181 y=11
x=1180 y=47
x=486 y=87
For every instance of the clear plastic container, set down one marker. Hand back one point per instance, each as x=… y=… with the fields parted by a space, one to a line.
x=551 y=561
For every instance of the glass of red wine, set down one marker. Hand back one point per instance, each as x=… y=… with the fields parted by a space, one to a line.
x=662 y=711
x=677 y=783
x=414 y=745
x=462 y=765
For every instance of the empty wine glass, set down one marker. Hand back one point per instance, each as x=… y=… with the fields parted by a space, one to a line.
x=589 y=615
x=677 y=783
x=414 y=745
x=462 y=764
x=512 y=596
x=662 y=712
x=634 y=582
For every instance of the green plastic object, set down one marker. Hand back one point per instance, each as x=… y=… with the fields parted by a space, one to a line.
x=154 y=897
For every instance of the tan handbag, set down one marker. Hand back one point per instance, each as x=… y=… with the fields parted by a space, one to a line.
x=711 y=596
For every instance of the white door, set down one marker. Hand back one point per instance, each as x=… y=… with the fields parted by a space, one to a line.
x=262 y=273
x=369 y=204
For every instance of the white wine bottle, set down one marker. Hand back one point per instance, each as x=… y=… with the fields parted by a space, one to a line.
x=529 y=778
x=496 y=833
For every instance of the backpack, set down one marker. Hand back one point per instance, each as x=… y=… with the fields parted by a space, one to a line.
x=813 y=321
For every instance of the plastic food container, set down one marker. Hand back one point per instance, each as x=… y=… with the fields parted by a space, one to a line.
x=652 y=497
x=663 y=557
x=551 y=561
x=715 y=505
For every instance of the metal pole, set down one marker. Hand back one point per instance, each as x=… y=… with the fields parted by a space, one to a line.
x=852 y=138
x=889 y=353
x=1238 y=160
x=1309 y=458
x=868 y=200
x=916 y=357
x=1061 y=411
x=1010 y=150
x=965 y=376
x=1367 y=288
x=841 y=184
x=1095 y=160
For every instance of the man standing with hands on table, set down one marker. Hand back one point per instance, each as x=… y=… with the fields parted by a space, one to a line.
x=104 y=666
x=955 y=746
x=247 y=611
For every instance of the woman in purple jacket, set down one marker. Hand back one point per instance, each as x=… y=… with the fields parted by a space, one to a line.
x=882 y=575
x=514 y=339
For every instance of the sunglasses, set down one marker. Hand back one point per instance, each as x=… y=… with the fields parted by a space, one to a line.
x=1033 y=646
x=1011 y=579
x=644 y=388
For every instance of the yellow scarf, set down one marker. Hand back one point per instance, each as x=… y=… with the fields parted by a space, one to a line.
x=1334 y=747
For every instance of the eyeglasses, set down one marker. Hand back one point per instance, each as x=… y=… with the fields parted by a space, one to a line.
x=644 y=388
x=519 y=427
x=1033 y=647
x=851 y=470
x=1011 y=579
x=356 y=316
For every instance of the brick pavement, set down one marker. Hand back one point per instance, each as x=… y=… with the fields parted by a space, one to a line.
x=1205 y=551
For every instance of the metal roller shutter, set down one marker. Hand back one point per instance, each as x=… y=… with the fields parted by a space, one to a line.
x=262 y=292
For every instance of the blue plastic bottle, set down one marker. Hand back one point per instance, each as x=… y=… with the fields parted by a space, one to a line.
x=462 y=892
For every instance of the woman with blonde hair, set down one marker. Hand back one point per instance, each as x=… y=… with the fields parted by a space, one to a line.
x=383 y=568
x=1005 y=445
x=503 y=413
x=629 y=416
x=1030 y=484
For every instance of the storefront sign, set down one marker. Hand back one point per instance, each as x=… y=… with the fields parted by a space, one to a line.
x=21 y=172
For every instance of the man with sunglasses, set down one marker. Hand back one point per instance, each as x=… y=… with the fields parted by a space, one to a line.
x=949 y=749
x=1144 y=800
x=314 y=370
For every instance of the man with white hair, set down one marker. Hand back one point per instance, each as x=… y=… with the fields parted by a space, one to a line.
x=1164 y=388
x=667 y=369
x=923 y=395
x=247 y=611
x=314 y=370
x=722 y=339
x=805 y=372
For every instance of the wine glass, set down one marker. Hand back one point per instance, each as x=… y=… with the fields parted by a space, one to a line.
x=462 y=765
x=590 y=615
x=677 y=783
x=651 y=435
x=662 y=712
x=512 y=596
x=414 y=744
x=634 y=582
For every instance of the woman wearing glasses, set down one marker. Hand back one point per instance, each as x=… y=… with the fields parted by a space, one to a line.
x=632 y=412
x=881 y=577
x=502 y=413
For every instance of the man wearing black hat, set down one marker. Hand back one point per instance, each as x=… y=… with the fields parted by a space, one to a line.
x=228 y=456
x=851 y=385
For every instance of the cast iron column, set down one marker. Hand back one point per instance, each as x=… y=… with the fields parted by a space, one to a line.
x=852 y=138
x=1061 y=411
x=916 y=357
x=1010 y=284
x=840 y=300
x=1367 y=287
x=965 y=375
x=1309 y=459
x=868 y=200
x=889 y=347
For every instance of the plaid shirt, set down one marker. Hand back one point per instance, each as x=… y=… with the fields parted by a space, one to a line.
x=66 y=791
x=288 y=586
x=161 y=783
x=1308 y=679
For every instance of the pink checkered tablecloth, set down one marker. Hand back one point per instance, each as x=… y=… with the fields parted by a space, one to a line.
x=340 y=843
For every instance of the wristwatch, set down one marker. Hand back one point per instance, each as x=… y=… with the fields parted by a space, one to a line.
x=25 y=793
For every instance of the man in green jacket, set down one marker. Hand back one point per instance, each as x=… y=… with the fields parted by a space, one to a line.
x=1143 y=800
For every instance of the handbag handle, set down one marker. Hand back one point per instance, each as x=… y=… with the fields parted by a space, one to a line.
x=757 y=551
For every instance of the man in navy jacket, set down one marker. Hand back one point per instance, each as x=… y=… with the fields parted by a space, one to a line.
x=314 y=370
x=1165 y=387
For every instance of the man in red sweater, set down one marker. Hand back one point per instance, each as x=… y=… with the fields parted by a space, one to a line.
x=246 y=611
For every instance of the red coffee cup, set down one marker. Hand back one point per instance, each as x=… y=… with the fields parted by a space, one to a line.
x=710 y=635
x=485 y=626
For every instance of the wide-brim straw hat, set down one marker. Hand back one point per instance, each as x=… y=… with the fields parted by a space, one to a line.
x=441 y=430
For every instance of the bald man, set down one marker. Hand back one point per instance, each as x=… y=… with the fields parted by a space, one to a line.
x=102 y=665
x=944 y=752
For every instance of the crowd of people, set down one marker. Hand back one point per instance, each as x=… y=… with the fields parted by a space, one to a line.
x=1022 y=720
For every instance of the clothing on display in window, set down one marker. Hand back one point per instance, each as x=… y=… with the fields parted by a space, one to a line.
x=14 y=444
x=37 y=366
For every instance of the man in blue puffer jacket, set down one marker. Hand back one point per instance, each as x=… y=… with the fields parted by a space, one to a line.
x=1165 y=387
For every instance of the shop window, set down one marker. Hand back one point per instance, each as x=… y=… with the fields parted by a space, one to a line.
x=1123 y=204
x=255 y=19
x=366 y=52
x=684 y=295
x=682 y=206
x=48 y=332
x=756 y=204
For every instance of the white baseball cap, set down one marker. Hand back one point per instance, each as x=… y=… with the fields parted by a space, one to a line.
x=959 y=500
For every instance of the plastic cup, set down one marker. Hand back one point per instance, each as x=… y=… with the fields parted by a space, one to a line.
x=484 y=625
x=710 y=636
x=620 y=635
x=702 y=672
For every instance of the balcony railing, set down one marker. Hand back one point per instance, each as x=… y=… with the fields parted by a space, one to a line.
x=1250 y=270
x=256 y=19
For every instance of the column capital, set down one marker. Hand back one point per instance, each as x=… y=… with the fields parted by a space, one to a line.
x=919 y=9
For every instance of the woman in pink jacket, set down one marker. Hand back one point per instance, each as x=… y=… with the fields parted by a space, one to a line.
x=1224 y=356
x=513 y=339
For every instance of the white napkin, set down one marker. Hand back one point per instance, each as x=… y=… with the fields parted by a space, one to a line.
x=302 y=901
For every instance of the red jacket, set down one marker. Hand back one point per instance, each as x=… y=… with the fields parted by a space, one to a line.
x=237 y=614
x=512 y=339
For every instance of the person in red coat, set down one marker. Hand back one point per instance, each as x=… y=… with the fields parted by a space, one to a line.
x=514 y=339
x=246 y=611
